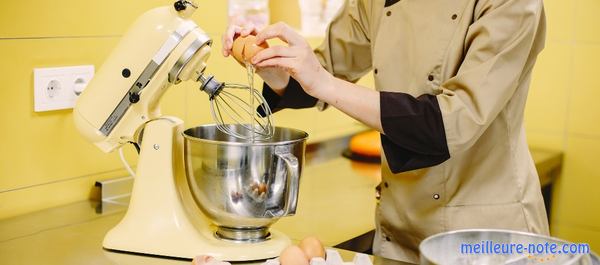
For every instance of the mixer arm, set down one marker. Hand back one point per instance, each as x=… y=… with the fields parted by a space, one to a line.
x=163 y=47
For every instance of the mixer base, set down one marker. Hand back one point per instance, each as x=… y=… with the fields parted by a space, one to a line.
x=246 y=235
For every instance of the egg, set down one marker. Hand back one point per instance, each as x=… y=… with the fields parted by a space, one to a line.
x=208 y=260
x=202 y=260
x=312 y=247
x=238 y=49
x=251 y=48
x=244 y=48
x=293 y=255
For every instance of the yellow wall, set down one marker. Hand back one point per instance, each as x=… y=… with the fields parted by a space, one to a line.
x=44 y=162
x=563 y=113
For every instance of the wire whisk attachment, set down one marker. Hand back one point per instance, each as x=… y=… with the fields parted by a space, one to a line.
x=228 y=106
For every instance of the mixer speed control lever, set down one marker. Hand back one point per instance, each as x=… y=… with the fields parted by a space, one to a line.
x=134 y=97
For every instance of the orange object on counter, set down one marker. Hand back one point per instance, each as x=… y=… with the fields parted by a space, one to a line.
x=293 y=255
x=244 y=48
x=312 y=247
x=369 y=170
x=366 y=144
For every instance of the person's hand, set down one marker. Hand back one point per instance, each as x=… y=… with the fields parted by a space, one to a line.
x=276 y=78
x=297 y=58
x=236 y=29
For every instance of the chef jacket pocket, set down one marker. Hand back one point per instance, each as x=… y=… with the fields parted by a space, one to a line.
x=510 y=216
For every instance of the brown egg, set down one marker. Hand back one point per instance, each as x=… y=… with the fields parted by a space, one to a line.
x=238 y=49
x=293 y=255
x=312 y=247
x=244 y=48
x=251 y=48
x=202 y=260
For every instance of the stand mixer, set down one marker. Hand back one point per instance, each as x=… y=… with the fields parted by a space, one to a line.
x=198 y=192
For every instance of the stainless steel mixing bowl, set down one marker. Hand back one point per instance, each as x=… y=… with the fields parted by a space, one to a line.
x=243 y=186
x=453 y=248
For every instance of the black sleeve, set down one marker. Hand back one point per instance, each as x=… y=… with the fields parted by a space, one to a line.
x=294 y=97
x=414 y=135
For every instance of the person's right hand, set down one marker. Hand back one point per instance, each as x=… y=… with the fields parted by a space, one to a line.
x=276 y=78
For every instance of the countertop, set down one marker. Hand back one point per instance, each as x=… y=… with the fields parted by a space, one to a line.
x=548 y=164
x=337 y=203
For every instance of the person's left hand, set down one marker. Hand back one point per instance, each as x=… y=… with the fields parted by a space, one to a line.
x=297 y=58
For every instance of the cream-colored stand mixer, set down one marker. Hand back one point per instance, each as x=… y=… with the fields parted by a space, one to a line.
x=207 y=194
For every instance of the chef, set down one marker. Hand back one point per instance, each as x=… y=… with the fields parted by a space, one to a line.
x=451 y=82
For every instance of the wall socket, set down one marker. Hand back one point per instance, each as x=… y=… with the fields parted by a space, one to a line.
x=58 y=87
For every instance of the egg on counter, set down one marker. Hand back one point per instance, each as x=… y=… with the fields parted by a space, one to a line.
x=202 y=260
x=308 y=249
x=208 y=260
x=312 y=247
x=293 y=255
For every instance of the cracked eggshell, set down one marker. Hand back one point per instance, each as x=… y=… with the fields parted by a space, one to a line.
x=251 y=48
x=244 y=48
x=238 y=49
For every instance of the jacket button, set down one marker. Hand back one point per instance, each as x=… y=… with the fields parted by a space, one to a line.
x=375 y=71
x=436 y=196
x=385 y=184
x=389 y=13
x=387 y=238
x=454 y=16
x=430 y=77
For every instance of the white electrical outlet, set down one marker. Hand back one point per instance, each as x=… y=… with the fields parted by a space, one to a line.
x=58 y=88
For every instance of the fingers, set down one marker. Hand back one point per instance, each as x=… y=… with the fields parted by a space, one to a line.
x=281 y=31
x=231 y=33
x=271 y=52
x=279 y=62
x=227 y=39
x=248 y=29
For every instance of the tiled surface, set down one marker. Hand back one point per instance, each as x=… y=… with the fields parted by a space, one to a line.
x=584 y=115
x=576 y=199
x=287 y=11
x=46 y=195
x=546 y=140
x=546 y=102
x=563 y=113
x=559 y=19
x=586 y=20
x=578 y=235
x=40 y=147
x=65 y=18
x=46 y=147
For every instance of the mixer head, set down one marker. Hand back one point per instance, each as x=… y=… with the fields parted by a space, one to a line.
x=229 y=108
x=163 y=47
